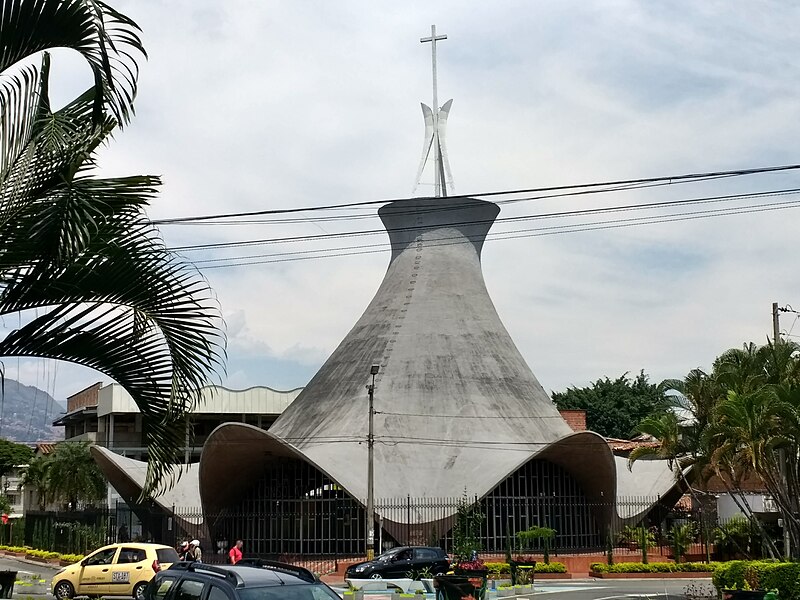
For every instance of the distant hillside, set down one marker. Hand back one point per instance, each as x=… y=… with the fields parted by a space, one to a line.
x=28 y=414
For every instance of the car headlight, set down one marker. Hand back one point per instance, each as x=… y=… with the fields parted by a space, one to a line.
x=360 y=568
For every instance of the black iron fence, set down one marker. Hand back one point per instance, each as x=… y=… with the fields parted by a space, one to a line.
x=322 y=532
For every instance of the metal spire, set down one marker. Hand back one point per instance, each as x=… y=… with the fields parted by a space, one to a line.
x=435 y=126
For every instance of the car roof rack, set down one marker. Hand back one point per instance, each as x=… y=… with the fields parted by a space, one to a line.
x=198 y=567
x=272 y=565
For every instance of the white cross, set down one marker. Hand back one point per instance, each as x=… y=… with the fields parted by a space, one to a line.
x=437 y=159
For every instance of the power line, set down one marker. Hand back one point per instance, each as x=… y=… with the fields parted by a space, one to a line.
x=557 y=214
x=669 y=179
x=534 y=232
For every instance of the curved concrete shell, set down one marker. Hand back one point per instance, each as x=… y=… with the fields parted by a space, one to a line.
x=455 y=401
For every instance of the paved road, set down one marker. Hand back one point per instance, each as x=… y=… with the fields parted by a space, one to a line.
x=34 y=578
x=624 y=589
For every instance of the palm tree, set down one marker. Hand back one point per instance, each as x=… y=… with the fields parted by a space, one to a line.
x=78 y=251
x=36 y=476
x=74 y=476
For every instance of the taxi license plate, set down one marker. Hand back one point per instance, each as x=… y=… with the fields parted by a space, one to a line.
x=120 y=577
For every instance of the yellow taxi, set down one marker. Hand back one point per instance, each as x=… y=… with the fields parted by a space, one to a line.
x=115 y=570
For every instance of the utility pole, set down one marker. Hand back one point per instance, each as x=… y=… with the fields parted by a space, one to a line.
x=776 y=328
x=787 y=540
x=370 y=519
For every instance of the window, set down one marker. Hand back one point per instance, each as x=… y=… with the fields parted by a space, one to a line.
x=162 y=587
x=104 y=557
x=166 y=555
x=425 y=554
x=190 y=590
x=217 y=593
x=131 y=555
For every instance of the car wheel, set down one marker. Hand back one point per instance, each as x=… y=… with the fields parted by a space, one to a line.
x=376 y=576
x=138 y=590
x=63 y=590
x=439 y=574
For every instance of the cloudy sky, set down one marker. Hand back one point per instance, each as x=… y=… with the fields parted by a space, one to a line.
x=250 y=105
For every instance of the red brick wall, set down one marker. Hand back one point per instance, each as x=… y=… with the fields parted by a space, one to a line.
x=87 y=397
x=576 y=419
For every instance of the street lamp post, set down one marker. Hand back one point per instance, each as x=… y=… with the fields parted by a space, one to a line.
x=370 y=521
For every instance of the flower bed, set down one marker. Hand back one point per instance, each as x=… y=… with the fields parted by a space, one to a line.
x=652 y=570
x=503 y=568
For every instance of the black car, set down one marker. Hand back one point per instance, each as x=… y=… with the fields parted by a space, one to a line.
x=400 y=562
x=254 y=580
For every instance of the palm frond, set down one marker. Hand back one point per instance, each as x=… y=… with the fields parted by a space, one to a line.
x=126 y=307
x=107 y=39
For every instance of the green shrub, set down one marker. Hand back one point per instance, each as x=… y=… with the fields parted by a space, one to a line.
x=503 y=568
x=661 y=567
x=498 y=568
x=759 y=574
x=71 y=557
x=553 y=567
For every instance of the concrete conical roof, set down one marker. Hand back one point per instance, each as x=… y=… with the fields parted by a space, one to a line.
x=457 y=405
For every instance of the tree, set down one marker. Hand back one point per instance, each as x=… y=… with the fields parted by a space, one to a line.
x=614 y=408
x=13 y=455
x=74 y=476
x=37 y=477
x=745 y=422
x=467 y=529
x=77 y=252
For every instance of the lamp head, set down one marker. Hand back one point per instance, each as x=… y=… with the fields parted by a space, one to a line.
x=373 y=370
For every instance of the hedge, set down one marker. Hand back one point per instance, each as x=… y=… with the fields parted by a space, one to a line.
x=659 y=567
x=42 y=553
x=759 y=574
x=503 y=568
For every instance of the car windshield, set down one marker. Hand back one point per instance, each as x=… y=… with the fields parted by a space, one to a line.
x=289 y=592
x=386 y=556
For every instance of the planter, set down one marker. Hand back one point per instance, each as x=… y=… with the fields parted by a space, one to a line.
x=553 y=576
x=64 y=563
x=35 y=558
x=670 y=575
x=519 y=565
x=464 y=585
x=53 y=561
x=16 y=554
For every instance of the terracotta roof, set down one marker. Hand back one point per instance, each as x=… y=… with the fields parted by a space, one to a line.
x=618 y=445
x=44 y=447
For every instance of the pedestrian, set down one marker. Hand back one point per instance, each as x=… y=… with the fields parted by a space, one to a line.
x=183 y=548
x=235 y=555
x=122 y=534
x=194 y=554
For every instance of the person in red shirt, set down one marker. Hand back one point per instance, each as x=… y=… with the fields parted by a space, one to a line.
x=235 y=555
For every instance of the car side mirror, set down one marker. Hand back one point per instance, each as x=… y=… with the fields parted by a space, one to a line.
x=84 y=562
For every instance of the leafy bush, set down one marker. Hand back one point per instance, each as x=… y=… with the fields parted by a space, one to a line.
x=660 y=567
x=732 y=539
x=43 y=554
x=682 y=537
x=634 y=535
x=503 y=568
x=72 y=557
x=498 y=568
x=760 y=574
